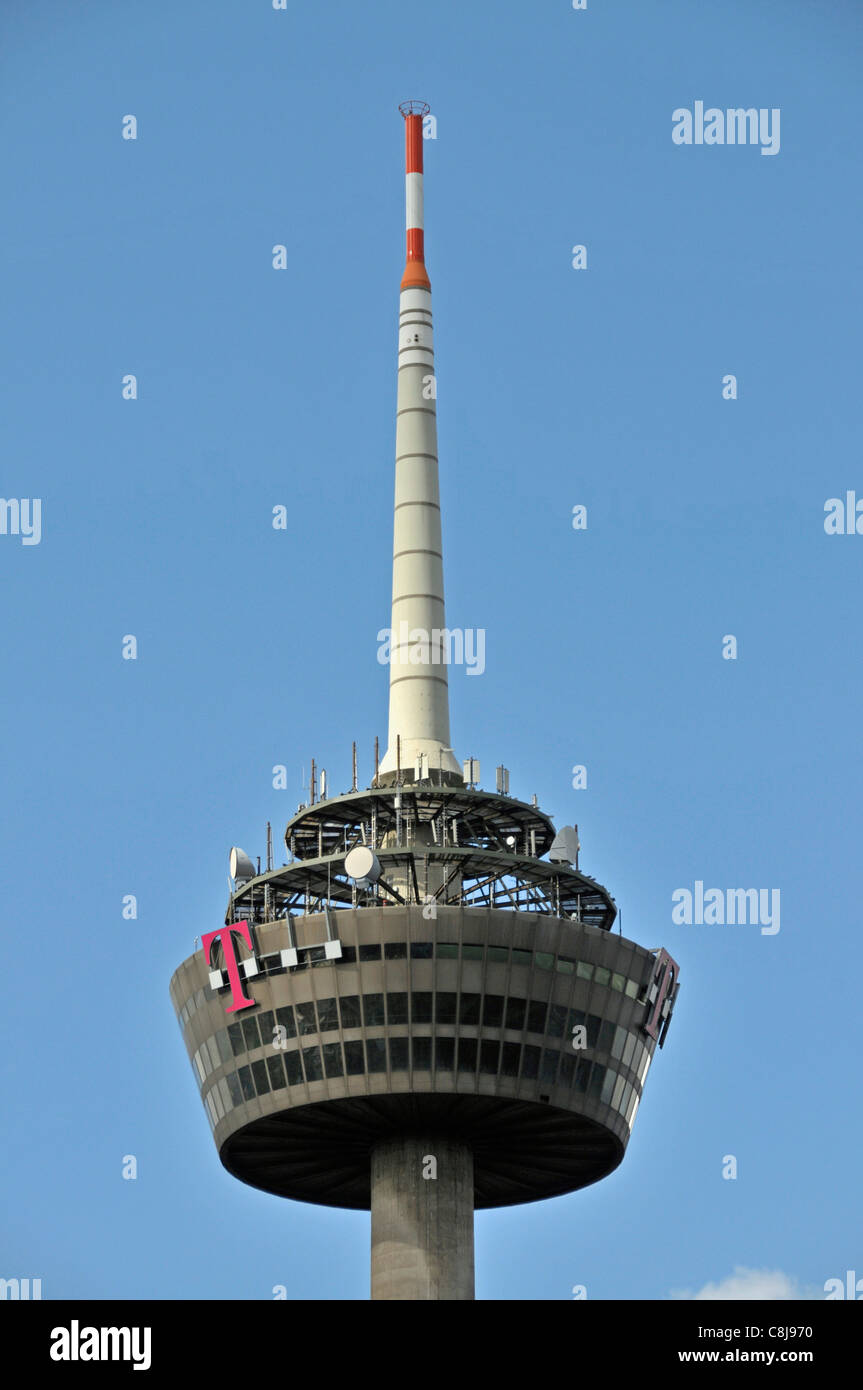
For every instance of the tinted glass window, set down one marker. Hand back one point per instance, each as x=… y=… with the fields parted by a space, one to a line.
x=247 y=1084
x=470 y=952
x=333 y=1059
x=396 y=950
x=447 y=950
x=350 y=1008
x=399 y=1054
x=266 y=1023
x=584 y=970
x=397 y=1008
x=370 y=953
x=373 y=1010
x=597 y=1076
x=467 y=1053
x=606 y=1036
x=276 y=1072
x=445 y=1007
x=421 y=1006
x=421 y=950
x=582 y=1074
x=306 y=1020
x=349 y=954
x=498 y=953
x=234 y=1088
x=536 y=1012
x=468 y=1009
x=328 y=1015
x=515 y=1013
x=285 y=1016
x=293 y=1068
x=521 y=957
x=376 y=1054
x=312 y=1063
x=510 y=1058
x=548 y=1072
x=544 y=961
x=251 y=1036
x=556 y=1020
x=225 y=1052
x=566 y=965
x=422 y=1054
x=262 y=1081
x=593 y=1022
x=567 y=1069
x=530 y=1062
x=489 y=1057
x=355 y=1062
x=444 y=1054
x=492 y=1011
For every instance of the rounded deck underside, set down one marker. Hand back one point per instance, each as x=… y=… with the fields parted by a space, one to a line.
x=523 y=1151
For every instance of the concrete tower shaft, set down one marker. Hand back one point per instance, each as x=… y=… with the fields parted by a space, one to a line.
x=419 y=693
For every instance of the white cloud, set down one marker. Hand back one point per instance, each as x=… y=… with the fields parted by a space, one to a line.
x=767 y=1284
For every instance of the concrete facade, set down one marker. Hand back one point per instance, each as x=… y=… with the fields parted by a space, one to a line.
x=460 y=1027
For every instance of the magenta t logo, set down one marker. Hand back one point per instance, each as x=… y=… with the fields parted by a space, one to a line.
x=226 y=936
x=662 y=993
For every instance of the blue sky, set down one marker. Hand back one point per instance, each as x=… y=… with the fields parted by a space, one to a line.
x=604 y=647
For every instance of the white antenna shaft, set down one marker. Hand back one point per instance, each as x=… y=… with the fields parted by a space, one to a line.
x=419 y=695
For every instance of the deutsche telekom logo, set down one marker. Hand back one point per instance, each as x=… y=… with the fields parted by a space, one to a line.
x=289 y=959
x=225 y=936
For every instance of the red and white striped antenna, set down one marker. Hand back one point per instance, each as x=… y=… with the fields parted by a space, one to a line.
x=419 y=728
x=415 y=276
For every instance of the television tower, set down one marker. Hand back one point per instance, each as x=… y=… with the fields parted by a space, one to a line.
x=425 y=1011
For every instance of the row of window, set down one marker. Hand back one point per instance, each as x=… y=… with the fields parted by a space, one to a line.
x=270 y=1028
x=445 y=950
x=531 y=1063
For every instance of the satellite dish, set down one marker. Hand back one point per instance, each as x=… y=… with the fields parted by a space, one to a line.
x=564 y=846
x=241 y=865
x=362 y=863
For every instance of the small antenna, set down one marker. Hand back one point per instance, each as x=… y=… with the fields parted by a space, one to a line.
x=323 y=784
x=312 y=785
x=354 y=762
x=377 y=760
x=269 y=846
